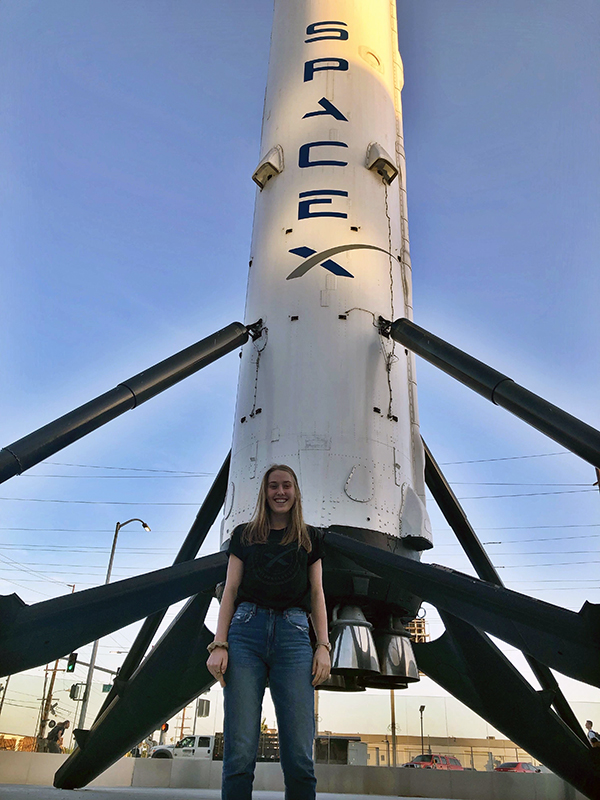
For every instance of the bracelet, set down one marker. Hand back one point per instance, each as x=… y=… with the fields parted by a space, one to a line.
x=324 y=644
x=213 y=645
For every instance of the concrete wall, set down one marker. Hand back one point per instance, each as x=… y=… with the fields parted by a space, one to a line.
x=465 y=785
x=39 y=768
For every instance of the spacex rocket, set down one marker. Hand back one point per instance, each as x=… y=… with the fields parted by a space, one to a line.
x=323 y=389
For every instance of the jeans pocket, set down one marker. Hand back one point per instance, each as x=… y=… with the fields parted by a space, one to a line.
x=244 y=613
x=297 y=618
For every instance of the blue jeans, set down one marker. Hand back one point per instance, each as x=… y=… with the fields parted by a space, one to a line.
x=274 y=645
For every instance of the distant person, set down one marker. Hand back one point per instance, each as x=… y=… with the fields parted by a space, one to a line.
x=274 y=581
x=592 y=735
x=55 y=737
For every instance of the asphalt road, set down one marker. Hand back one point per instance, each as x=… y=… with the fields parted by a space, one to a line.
x=11 y=792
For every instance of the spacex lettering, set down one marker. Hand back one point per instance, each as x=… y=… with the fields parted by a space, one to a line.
x=328 y=110
x=305 y=161
x=316 y=27
x=304 y=206
x=304 y=157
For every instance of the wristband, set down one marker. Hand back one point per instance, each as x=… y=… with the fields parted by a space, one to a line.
x=213 y=645
x=324 y=644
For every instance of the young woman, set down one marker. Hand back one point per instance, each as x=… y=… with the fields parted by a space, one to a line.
x=274 y=581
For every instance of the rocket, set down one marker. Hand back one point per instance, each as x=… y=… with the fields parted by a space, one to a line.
x=323 y=389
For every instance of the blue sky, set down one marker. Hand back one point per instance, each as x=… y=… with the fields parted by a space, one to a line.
x=130 y=132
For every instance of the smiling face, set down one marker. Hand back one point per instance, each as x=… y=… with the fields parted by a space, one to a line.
x=281 y=496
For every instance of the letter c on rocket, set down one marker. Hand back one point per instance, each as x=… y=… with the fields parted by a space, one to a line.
x=304 y=155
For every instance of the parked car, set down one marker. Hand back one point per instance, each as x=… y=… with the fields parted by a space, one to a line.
x=517 y=766
x=210 y=748
x=434 y=761
x=189 y=747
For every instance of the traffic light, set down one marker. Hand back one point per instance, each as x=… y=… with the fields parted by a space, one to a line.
x=164 y=727
x=74 y=691
x=71 y=662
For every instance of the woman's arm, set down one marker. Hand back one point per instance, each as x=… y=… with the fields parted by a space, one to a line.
x=321 y=661
x=217 y=660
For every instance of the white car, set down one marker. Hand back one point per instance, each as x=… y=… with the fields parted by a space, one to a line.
x=189 y=747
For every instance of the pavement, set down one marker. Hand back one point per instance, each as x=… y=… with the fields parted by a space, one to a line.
x=13 y=792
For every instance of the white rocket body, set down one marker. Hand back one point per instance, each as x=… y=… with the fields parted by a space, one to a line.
x=322 y=390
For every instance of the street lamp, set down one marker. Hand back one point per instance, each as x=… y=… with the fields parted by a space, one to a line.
x=421 y=710
x=88 y=683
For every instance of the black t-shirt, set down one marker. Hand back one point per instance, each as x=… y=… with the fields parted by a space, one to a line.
x=56 y=733
x=275 y=575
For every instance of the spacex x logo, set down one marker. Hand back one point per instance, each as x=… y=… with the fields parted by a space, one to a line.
x=312 y=258
x=328 y=264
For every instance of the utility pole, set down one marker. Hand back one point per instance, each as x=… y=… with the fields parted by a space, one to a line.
x=182 y=723
x=48 y=702
x=393 y=726
x=38 y=724
x=4 y=688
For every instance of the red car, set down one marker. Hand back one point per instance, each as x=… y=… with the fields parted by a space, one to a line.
x=434 y=761
x=517 y=766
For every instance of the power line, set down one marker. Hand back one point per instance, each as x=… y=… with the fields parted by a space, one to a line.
x=122 y=567
x=146 y=503
x=165 y=532
x=536 y=553
x=95 y=502
x=76 y=530
x=207 y=474
x=559 y=580
x=117 y=477
x=546 y=539
x=533 y=527
x=14 y=583
x=101 y=567
x=496 y=483
x=84 y=549
x=521 y=541
x=131 y=469
x=526 y=494
x=557 y=564
x=18 y=565
x=506 y=458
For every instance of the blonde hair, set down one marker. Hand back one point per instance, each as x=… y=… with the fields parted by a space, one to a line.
x=257 y=530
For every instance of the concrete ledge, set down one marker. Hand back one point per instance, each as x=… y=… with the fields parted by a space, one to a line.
x=153 y=772
x=188 y=774
x=38 y=769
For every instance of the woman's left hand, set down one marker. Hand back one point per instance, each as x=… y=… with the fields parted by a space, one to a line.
x=321 y=666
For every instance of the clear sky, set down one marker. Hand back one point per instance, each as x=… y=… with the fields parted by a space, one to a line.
x=129 y=135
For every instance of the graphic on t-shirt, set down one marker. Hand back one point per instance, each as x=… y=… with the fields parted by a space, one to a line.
x=276 y=568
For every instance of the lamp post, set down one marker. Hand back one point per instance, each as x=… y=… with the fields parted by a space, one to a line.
x=421 y=710
x=88 y=682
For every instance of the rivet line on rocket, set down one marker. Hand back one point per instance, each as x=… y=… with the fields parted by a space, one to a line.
x=264 y=330
x=390 y=358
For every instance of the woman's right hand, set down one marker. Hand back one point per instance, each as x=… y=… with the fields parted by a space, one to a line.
x=217 y=663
